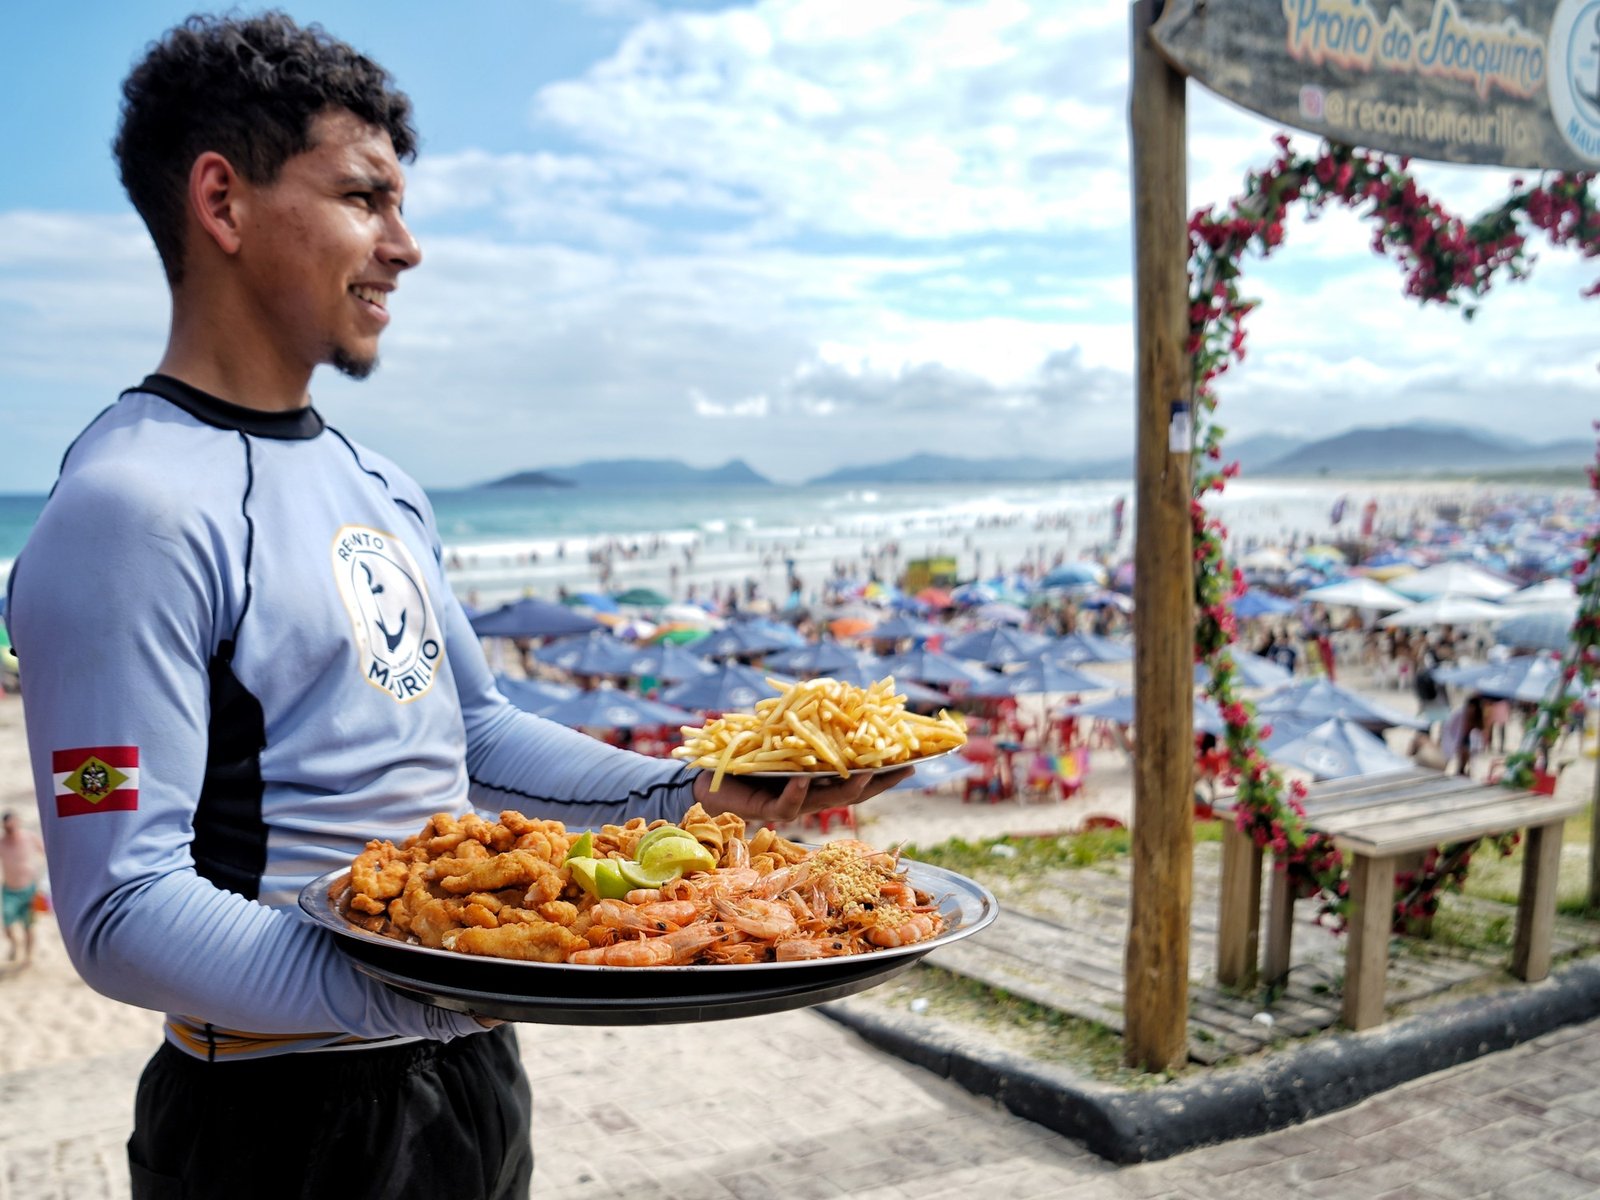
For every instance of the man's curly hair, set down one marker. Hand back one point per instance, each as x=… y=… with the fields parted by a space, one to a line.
x=247 y=89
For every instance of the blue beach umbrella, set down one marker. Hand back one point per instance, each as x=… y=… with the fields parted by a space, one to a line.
x=1323 y=700
x=1258 y=603
x=1527 y=679
x=822 y=657
x=1336 y=749
x=533 y=695
x=740 y=639
x=613 y=708
x=668 y=661
x=1253 y=670
x=937 y=772
x=933 y=666
x=1001 y=612
x=1074 y=574
x=1074 y=648
x=1118 y=710
x=1041 y=678
x=532 y=618
x=899 y=627
x=731 y=686
x=997 y=645
x=597 y=653
x=1542 y=629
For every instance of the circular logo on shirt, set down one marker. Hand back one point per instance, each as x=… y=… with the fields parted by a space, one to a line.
x=1574 y=75
x=397 y=636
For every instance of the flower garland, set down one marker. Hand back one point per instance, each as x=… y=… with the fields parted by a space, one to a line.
x=1445 y=260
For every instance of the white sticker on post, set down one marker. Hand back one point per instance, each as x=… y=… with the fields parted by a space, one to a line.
x=1180 y=428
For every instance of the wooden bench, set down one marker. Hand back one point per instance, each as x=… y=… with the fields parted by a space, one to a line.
x=1376 y=821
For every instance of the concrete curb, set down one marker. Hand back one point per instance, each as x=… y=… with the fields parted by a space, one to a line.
x=1129 y=1125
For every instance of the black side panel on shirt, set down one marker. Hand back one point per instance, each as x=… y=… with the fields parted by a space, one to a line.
x=230 y=837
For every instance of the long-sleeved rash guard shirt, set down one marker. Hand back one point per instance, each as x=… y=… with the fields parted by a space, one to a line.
x=241 y=661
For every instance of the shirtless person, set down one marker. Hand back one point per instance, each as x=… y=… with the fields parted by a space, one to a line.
x=21 y=852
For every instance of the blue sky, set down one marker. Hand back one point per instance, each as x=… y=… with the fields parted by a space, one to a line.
x=801 y=232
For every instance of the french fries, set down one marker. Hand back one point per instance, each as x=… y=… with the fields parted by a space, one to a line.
x=821 y=725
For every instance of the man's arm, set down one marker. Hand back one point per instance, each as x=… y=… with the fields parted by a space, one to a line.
x=115 y=607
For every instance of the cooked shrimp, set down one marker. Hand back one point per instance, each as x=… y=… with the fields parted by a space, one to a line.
x=782 y=880
x=768 y=920
x=797 y=949
x=670 y=949
x=650 y=918
x=643 y=896
x=918 y=927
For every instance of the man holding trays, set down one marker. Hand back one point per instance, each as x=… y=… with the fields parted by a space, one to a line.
x=241 y=660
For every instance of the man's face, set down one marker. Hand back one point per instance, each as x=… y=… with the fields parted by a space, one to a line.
x=325 y=244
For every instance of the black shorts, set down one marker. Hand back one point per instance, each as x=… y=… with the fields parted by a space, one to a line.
x=425 y=1119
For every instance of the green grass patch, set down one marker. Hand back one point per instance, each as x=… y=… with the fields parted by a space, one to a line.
x=1014 y=857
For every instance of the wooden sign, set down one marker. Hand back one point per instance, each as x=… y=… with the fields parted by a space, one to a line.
x=1467 y=81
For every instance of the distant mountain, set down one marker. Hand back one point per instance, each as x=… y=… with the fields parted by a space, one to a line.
x=637 y=472
x=1424 y=447
x=528 y=479
x=943 y=468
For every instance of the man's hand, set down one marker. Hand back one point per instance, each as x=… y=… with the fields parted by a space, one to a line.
x=761 y=799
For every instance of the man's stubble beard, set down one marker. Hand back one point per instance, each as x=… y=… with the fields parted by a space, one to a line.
x=350 y=366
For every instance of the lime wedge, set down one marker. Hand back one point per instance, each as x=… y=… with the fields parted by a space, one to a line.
x=655 y=835
x=677 y=853
x=600 y=877
x=582 y=848
x=639 y=876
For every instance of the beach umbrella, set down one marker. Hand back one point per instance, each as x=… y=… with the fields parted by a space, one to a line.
x=936 y=773
x=677 y=633
x=1040 y=678
x=689 y=614
x=669 y=661
x=902 y=626
x=1336 y=749
x=1540 y=628
x=974 y=594
x=1073 y=648
x=997 y=645
x=588 y=654
x=1107 y=599
x=1455 y=579
x=730 y=686
x=1527 y=679
x=935 y=597
x=642 y=597
x=741 y=638
x=533 y=695
x=821 y=657
x=532 y=618
x=1253 y=671
x=1074 y=574
x=1001 y=612
x=594 y=601
x=843 y=627
x=1445 y=609
x=1257 y=603
x=777 y=630
x=1118 y=710
x=1545 y=592
x=933 y=666
x=613 y=708
x=1323 y=700
x=1359 y=592
x=869 y=670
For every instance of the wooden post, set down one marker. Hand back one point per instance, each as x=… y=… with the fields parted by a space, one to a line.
x=1536 y=903
x=1238 y=908
x=1594 y=823
x=1156 y=969
x=1366 y=956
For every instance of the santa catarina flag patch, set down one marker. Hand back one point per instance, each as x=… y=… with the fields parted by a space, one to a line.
x=96 y=779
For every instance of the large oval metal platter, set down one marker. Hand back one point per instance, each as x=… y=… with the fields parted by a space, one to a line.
x=572 y=994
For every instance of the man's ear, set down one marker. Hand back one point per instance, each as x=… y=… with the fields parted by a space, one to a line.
x=216 y=199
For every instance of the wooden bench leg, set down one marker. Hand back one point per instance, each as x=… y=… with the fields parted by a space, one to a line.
x=1536 y=904
x=1366 y=959
x=1238 y=909
x=1280 y=925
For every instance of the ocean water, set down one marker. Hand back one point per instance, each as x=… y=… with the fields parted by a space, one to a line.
x=503 y=543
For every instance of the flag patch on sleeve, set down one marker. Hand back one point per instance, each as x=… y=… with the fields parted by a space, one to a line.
x=96 y=779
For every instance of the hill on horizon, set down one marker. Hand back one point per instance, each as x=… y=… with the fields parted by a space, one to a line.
x=636 y=472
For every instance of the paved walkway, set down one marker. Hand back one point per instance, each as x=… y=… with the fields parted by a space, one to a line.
x=793 y=1107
